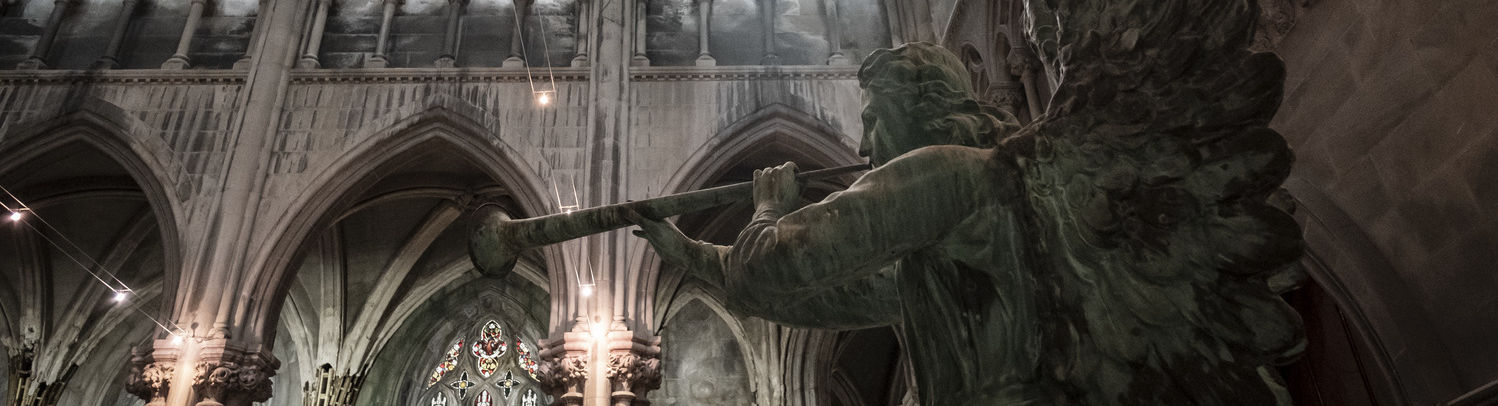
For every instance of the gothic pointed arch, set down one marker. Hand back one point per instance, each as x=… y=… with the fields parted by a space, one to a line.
x=102 y=126
x=103 y=232
x=443 y=125
x=777 y=131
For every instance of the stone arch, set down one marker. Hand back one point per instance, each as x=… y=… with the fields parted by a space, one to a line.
x=1359 y=278
x=106 y=128
x=87 y=339
x=439 y=125
x=690 y=366
x=776 y=124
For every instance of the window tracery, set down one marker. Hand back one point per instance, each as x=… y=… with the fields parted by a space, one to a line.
x=485 y=372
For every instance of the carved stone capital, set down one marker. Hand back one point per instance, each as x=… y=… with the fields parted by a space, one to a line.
x=150 y=378
x=560 y=374
x=1021 y=61
x=244 y=375
x=1009 y=96
x=151 y=381
x=634 y=373
x=217 y=380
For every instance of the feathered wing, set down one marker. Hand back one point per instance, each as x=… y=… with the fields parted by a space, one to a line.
x=1147 y=182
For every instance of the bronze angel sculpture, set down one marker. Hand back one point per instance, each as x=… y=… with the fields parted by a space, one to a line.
x=1113 y=251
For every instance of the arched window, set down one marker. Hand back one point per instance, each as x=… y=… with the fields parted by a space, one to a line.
x=485 y=366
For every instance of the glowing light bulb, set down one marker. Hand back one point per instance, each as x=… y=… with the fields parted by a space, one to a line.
x=176 y=339
x=544 y=99
x=585 y=290
x=119 y=296
x=15 y=216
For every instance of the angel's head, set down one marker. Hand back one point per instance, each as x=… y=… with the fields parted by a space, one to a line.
x=918 y=95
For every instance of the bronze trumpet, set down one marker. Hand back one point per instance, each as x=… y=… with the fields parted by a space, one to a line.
x=497 y=241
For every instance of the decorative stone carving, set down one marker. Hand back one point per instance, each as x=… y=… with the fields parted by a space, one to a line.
x=151 y=381
x=559 y=375
x=631 y=372
x=219 y=380
x=1276 y=18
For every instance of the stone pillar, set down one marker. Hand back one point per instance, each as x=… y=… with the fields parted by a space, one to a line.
x=834 y=35
x=583 y=12
x=449 y=56
x=640 y=22
x=767 y=15
x=329 y=389
x=704 y=31
x=1023 y=63
x=517 y=39
x=111 y=58
x=150 y=378
x=379 y=60
x=179 y=60
x=38 y=57
x=314 y=38
x=563 y=369
x=634 y=366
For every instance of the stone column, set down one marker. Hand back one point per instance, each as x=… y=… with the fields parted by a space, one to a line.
x=767 y=17
x=449 y=56
x=314 y=38
x=704 y=31
x=111 y=58
x=1023 y=63
x=179 y=60
x=583 y=8
x=563 y=369
x=517 y=38
x=634 y=366
x=379 y=60
x=38 y=57
x=640 y=22
x=835 y=35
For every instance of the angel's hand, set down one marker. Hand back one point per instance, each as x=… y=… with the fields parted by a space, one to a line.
x=670 y=243
x=776 y=189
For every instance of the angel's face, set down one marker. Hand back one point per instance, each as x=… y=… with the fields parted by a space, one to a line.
x=886 y=128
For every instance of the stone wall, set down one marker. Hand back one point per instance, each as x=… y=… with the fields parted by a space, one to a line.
x=1389 y=106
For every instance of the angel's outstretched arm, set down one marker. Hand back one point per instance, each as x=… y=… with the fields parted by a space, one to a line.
x=908 y=204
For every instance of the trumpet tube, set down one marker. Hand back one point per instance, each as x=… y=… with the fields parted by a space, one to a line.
x=497 y=241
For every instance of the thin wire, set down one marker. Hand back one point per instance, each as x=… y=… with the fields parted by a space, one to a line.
x=65 y=238
x=133 y=305
x=546 y=55
x=520 y=32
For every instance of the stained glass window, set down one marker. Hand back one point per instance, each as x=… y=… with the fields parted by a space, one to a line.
x=494 y=372
x=449 y=362
x=523 y=357
x=488 y=347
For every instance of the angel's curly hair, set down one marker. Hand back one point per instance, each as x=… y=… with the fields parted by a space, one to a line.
x=937 y=84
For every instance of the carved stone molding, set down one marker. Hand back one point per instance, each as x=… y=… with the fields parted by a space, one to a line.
x=220 y=380
x=563 y=377
x=631 y=372
x=150 y=379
